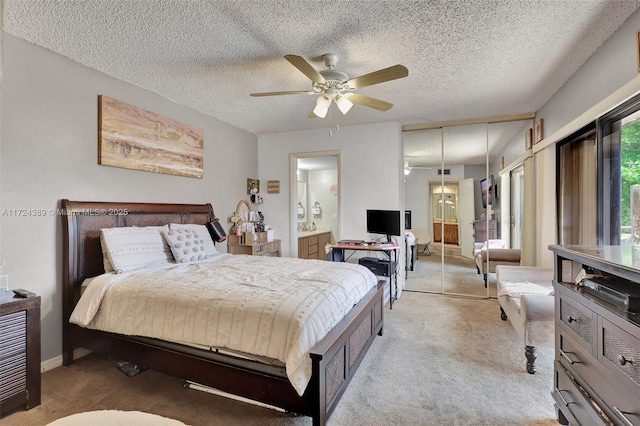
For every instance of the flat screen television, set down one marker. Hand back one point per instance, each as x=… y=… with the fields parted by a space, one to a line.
x=487 y=188
x=384 y=222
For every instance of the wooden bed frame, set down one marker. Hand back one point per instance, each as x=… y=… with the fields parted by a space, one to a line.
x=335 y=359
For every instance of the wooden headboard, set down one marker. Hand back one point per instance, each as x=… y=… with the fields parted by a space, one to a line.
x=81 y=224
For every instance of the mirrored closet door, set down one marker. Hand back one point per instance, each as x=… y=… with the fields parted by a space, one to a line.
x=453 y=191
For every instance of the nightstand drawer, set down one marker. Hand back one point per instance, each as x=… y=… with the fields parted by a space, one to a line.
x=273 y=246
x=579 y=320
x=19 y=352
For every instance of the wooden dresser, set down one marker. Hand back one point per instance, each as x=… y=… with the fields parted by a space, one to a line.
x=254 y=249
x=19 y=352
x=484 y=230
x=597 y=360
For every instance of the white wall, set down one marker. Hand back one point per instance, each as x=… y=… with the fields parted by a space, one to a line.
x=50 y=152
x=611 y=67
x=371 y=174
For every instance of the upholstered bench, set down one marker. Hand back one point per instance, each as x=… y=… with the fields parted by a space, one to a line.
x=487 y=259
x=525 y=294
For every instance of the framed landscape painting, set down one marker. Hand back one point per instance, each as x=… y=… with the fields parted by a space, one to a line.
x=134 y=138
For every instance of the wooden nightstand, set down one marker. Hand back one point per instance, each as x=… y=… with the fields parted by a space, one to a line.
x=19 y=351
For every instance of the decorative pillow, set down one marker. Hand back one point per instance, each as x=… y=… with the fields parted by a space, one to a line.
x=190 y=245
x=202 y=230
x=131 y=248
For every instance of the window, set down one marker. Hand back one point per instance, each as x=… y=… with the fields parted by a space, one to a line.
x=577 y=188
x=620 y=175
x=516 y=222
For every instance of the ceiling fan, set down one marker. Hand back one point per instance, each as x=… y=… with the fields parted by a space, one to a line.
x=335 y=86
x=408 y=168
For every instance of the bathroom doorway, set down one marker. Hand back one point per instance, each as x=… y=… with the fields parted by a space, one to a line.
x=315 y=200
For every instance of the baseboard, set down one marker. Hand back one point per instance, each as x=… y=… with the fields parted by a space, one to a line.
x=55 y=362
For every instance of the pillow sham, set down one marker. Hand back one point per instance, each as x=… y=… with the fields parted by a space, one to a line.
x=108 y=267
x=131 y=248
x=189 y=245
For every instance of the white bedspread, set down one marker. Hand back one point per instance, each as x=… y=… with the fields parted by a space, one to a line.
x=274 y=307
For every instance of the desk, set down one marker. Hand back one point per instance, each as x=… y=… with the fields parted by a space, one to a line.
x=339 y=251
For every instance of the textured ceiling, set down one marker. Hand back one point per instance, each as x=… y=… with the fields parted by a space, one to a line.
x=466 y=58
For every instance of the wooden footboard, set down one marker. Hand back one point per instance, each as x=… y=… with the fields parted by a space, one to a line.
x=337 y=357
x=334 y=360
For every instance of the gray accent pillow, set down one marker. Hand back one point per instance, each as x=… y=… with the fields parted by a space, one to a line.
x=190 y=243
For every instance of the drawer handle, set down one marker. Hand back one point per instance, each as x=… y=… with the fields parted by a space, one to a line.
x=621 y=415
x=565 y=356
x=571 y=319
x=623 y=361
x=564 y=401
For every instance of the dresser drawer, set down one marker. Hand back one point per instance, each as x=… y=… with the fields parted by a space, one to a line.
x=273 y=246
x=574 y=402
x=579 y=319
x=621 y=351
x=578 y=360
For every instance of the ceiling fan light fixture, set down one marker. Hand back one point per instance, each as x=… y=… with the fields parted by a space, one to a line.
x=344 y=104
x=322 y=106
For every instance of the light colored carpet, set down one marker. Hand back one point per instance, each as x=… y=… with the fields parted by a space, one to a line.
x=442 y=360
x=459 y=274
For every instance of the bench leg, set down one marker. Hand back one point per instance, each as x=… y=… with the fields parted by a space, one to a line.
x=426 y=249
x=530 y=353
x=503 y=314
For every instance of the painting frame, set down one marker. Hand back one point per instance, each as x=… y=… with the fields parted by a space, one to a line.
x=528 y=139
x=133 y=138
x=539 y=131
x=253 y=190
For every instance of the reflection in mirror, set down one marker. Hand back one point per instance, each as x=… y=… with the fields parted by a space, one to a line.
x=316 y=203
x=444 y=169
x=301 y=209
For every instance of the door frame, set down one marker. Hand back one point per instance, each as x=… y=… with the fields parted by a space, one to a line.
x=293 y=193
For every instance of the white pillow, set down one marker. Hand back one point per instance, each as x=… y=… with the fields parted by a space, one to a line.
x=108 y=267
x=131 y=248
x=190 y=244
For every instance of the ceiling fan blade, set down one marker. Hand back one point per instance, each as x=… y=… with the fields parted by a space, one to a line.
x=291 y=92
x=369 y=102
x=306 y=68
x=380 y=76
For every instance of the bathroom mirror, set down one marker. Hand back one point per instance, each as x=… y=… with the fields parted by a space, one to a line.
x=303 y=204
